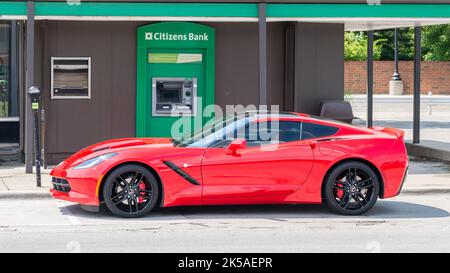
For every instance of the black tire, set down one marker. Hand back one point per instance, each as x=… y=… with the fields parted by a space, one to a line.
x=130 y=191
x=351 y=188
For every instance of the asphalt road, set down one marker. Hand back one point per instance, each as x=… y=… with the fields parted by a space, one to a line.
x=416 y=221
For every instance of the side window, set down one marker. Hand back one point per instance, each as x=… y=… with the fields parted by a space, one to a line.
x=311 y=130
x=289 y=131
x=265 y=132
x=258 y=133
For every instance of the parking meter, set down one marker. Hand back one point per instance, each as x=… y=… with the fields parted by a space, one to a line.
x=35 y=96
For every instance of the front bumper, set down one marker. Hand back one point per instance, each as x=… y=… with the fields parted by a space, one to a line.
x=75 y=197
x=76 y=186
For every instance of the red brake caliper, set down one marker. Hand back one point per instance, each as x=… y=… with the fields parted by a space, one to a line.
x=141 y=194
x=340 y=193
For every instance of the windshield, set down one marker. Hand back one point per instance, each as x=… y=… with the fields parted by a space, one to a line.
x=220 y=130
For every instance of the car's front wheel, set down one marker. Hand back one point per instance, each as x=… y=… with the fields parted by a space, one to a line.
x=130 y=191
x=352 y=188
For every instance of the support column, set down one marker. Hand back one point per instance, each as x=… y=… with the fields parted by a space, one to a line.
x=262 y=57
x=369 y=78
x=417 y=59
x=30 y=81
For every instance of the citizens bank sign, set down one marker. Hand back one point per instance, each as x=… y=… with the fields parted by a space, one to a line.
x=164 y=36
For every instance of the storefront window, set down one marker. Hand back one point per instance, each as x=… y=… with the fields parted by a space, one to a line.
x=9 y=93
x=4 y=69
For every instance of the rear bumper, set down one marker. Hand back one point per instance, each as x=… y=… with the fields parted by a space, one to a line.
x=405 y=176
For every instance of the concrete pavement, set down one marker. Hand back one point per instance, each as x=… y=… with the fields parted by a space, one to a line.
x=415 y=221
x=15 y=183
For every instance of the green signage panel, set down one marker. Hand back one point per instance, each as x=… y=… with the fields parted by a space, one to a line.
x=175 y=73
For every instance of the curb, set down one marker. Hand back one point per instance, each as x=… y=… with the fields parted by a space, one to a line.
x=420 y=150
x=25 y=195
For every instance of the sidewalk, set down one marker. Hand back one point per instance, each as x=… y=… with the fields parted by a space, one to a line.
x=15 y=183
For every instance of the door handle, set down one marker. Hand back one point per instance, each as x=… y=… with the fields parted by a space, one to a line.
x=311 y=143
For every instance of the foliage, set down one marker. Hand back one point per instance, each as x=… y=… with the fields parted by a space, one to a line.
x=436 y=43
x=355 y=46
x=405 y=44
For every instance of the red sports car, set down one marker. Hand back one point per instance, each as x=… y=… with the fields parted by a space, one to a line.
x=252 y=159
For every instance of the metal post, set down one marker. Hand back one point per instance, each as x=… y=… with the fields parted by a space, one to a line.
x=417 y=59
x=30 y=82
x=262 y=45
x=369 y=78
x=37 y=148
x=396 y=76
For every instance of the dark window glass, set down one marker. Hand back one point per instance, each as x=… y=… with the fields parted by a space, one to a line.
x=9 y=86
x=289 y=131
x=265 y=132
x=311 y=130
x=9 y=103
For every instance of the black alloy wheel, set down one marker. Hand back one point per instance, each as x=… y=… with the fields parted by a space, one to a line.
x=130 y=191
x=352 y=188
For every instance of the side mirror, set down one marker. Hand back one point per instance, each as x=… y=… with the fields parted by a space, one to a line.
x=236 y=144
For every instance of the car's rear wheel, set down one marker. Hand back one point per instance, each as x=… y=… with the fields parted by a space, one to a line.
x=130 y=191
x=352 y=188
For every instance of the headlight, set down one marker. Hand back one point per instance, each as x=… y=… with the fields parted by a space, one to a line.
x=94 y=161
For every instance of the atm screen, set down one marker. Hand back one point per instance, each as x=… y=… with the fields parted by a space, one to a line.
x=169 y=92
x=169 y=96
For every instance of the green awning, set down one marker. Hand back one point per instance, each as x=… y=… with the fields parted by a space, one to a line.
x=359 y=10
x=226 y=10
x=13 y=8
x=147 y=9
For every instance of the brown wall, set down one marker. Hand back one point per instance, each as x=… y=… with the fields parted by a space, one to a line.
x=319 y=65
x=434 y=76
x=74 y=124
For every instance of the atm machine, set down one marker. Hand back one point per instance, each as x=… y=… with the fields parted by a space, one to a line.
x=174 y=96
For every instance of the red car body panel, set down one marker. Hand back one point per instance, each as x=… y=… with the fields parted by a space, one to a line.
x=291 y=172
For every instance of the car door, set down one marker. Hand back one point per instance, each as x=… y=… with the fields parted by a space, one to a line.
x=263 y=172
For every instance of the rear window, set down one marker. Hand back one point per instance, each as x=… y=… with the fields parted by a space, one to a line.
x=311 y=130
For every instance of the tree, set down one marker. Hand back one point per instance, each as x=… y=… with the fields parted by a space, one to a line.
x=405 y=44
x=355 y=46
x=436 y=43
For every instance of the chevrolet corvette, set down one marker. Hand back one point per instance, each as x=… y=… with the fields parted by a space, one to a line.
x=262 y=158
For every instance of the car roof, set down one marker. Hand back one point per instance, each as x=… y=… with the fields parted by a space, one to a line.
x=305 y=117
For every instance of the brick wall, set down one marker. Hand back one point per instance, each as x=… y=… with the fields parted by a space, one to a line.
x=435 y=76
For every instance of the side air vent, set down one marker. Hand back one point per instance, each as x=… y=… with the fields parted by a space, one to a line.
x=180 y=172
x=60 y=184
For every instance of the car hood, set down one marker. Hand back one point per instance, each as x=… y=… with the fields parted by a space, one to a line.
x=114 y=145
